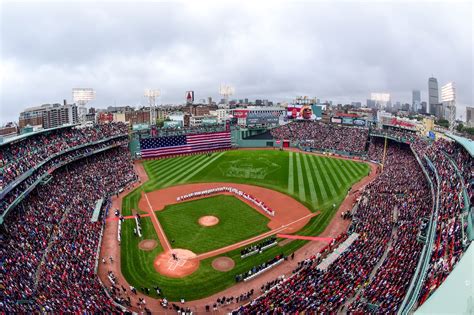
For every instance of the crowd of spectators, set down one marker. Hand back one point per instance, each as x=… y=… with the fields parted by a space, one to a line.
x=413 y=201
x=18 y=157
x=448 y=245
x=49 y=245
x=323 y=136
x=390 y=204
x=53 y=163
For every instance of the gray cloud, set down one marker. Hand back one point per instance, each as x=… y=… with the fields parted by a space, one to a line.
x=340 y=51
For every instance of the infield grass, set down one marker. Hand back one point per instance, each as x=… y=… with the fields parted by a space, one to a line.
x=180 y=223
x=317 y=182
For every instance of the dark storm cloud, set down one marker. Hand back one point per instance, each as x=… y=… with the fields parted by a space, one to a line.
x=339 y=51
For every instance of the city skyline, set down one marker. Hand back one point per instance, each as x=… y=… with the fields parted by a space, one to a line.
x=316 y=49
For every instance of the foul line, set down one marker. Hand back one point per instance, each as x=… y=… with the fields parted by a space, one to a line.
x=158 y=228
x=253 y=239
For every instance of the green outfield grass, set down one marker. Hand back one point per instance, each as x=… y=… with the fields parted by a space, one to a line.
x=318 y=182
x=237 y=222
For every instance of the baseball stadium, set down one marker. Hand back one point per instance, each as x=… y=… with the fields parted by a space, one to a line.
x=245 y=216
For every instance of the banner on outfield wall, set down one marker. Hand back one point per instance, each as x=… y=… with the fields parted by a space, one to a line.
x=336 y=120
x=359 y=122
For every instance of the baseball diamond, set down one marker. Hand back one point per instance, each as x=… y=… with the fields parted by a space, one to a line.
x=178 y=220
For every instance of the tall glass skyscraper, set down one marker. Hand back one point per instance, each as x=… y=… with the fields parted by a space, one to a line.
x=433 y=95
x=416 y=100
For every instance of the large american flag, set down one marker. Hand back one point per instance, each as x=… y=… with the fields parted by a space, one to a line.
x=170 y=145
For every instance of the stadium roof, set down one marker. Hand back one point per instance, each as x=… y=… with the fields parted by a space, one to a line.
x=8 y=140
x=456 y=293
x=468 y=144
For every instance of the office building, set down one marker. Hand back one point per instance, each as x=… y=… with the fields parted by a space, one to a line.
x=49 y=115
x=416 y=101
x=433 y=95
x=470 y=116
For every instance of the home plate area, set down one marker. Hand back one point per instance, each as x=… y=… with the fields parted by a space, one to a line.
x=176 y=263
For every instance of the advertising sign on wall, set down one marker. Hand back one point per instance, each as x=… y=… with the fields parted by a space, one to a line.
x=336 y=120
x=172 y=124
x=240 y=113
x=262 y=118
x=347 y=120
x=209 y=121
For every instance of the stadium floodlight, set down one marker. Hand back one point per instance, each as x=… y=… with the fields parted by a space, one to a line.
x=152 y=94
x=83 y=95
x=380 y=97
x=226 y=90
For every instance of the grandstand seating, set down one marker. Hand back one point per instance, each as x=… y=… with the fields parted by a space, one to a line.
x=19 y=157
x=49 y=249
x=48 y=262
x=324 y=136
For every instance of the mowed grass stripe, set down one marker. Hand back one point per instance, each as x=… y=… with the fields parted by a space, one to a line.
x=309 y=176
x=331 y=177
x=163 y=169
x=195 y=161
x=301 y=189
x=350 y=171
x=343 y=172
x=362 y=168
x=163 y=163
x=337 y=173
x=184 y=168
x=169 y=168
x=324 y=176
x=319 y=181
x=201 y=168
x=291 y=184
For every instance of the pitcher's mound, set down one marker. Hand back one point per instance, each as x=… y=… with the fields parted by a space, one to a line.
x=208 y=220
x=223 y=264
x=147 y=244
x=183 y=263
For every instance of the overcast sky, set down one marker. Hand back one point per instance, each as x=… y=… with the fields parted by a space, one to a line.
x=335 y=51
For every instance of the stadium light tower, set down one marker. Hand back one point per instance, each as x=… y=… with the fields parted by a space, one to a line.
x=82 y=96
x=152 y=95
x=226 y=90
x=448 y=96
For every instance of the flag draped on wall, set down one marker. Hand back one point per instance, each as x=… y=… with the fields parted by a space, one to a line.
x=170 y=145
